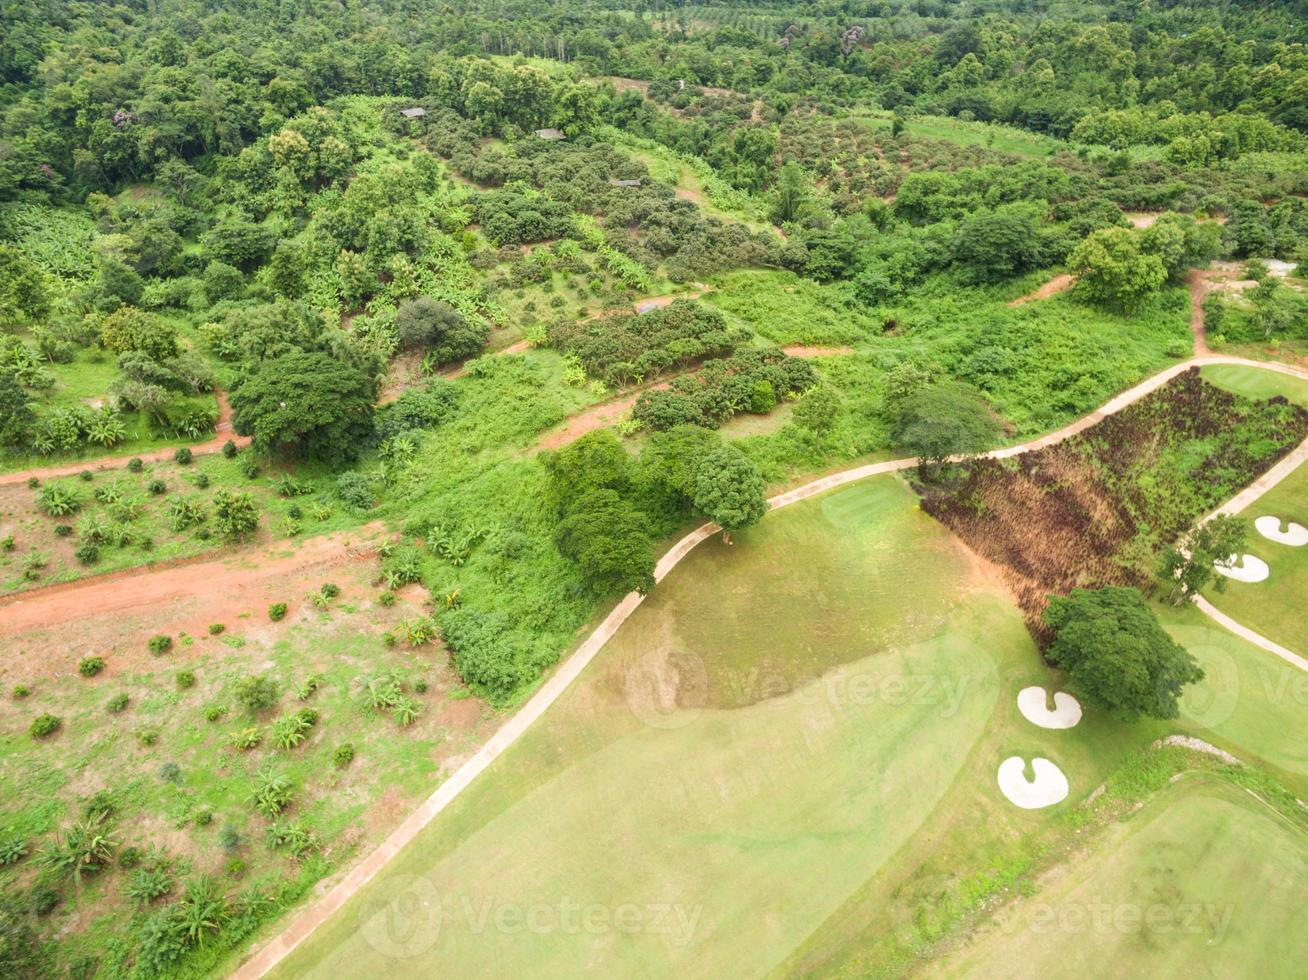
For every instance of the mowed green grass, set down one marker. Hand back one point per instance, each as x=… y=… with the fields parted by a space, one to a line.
x=1254 y=382
x=1274 y=607
x=1250 y=703
x=706 y=840
x=784 y=762
x=1206 y=880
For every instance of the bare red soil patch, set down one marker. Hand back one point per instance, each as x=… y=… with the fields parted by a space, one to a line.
x=1094 y=509
x=123 y=609
x=803 y=350
x=1058 y=284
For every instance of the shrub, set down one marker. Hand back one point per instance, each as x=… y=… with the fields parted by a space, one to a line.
x=170 y=772
x=63 y=530
x=330 y=590
x=129 y=857
x=216 y=628
x=204 y=818
x=354 y=491
x=277 y=611
x=420 y=687
x=90 y=666
x=147 y=736
x=43 y=899
x=88 y=554
x=86 y=476
x=117 y=703
x=21 y=691
x=13 y=849
x=185 y=679
x=156 y=487
x=135 y=465
x=215 y=712
x=183 y=456
x=229 y=449
x=245 y=739
x=387 y=599
x=7 y=542
x=159 y=643
x=343 y=755
x=58 y=500
x=256 y=693
x=250 y=468
x=229 y=838
x=44 y=726
x=201 y=481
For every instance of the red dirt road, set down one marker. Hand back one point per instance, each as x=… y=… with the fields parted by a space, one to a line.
x=212 y=589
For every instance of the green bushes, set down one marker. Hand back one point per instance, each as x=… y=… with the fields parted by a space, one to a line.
x=90 y=666
x=724 y=388
x=160 y=643
x=277 y=611
x=118 y=703
x=44 y=725
x=621 y=350
x=256 y=693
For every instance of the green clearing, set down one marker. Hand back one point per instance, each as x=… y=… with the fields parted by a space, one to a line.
x=1206 y=880
x=1274 y=607
x=1254 y=382
x=810 y=790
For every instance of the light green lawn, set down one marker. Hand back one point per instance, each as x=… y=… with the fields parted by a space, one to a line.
x=1205 y=881
x=758 y=823
x=1256 y=383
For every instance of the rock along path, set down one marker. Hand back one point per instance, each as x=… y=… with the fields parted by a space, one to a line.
x=318 y=911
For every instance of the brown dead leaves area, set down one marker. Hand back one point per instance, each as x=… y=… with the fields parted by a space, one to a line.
x=1071 y=515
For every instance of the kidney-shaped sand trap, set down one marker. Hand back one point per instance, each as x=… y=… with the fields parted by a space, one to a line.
x=1295 y=535
x=1247 y=569
x=1034 y=707
x=1048 y=788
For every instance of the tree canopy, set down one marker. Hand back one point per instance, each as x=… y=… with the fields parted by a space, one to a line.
x=1116 y=653
x=305 y=405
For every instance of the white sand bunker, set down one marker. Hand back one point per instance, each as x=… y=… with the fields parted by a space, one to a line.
x=1031 y=701
x=1243 y=568
x=1048 y=787
x=1295 y=535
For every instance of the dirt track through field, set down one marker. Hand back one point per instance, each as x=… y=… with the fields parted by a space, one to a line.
x=308 y=919
x=222 y=433
x=210 y=584
x=1058 y=284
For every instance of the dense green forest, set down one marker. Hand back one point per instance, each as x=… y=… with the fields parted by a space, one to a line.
x=409 y=243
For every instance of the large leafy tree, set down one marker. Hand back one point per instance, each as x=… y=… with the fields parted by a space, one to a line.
x=730 y=490
x=23 y=295
x=607 y=538
x=1188 y=566
x=995 y=245
x=432 y=325
x=16 y=415
x=1112 y=269
x=941 y=421
x=306 y=405
x=1117 y=655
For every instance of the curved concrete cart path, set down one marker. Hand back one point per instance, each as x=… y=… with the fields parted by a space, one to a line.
x=308 y=919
